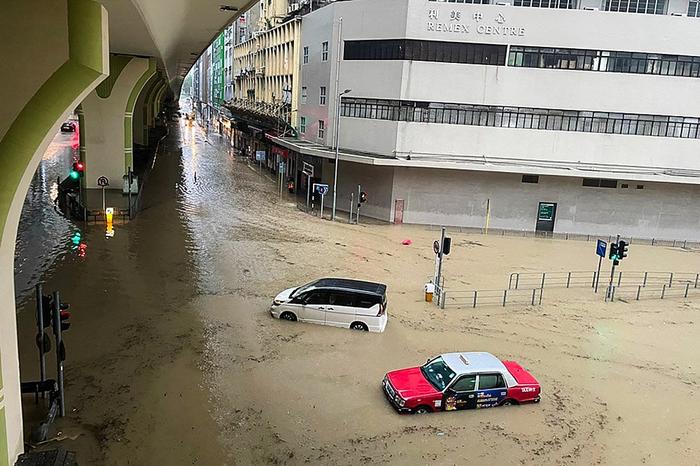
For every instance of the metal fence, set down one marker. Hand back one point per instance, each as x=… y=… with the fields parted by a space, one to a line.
x=518 y=280
x=639 y=292
x=480 y=298
x=572 y=236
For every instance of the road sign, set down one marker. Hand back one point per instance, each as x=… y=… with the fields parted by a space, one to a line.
x=260 y=155
x=436 y=247
x=322 y=189
x=103 y=181
x=308 y=169
x=546 y=211
x=601 y=248
x=282 y=168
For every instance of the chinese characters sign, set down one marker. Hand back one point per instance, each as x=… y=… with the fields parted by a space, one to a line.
x=488 y=24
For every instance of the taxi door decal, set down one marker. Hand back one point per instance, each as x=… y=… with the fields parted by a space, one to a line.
x=490 y=398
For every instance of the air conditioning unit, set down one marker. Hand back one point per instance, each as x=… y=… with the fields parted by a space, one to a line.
x=678 y=14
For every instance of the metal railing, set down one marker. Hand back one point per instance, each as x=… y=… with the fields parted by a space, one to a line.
x=478 y=298
x=518 y=280
x=684 y=243
x=639 y=292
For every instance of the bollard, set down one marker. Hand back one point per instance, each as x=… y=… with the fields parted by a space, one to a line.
x=670 y=280
x=443 y=295
x=543 y=278
x=652 y=241
x=541 y=291
x=663 y=292
x=697 y=275
x=639 y=291
x=568 y=279
x=644 y=284
x=505 y=293
x=533 y=295
x=517 y=280
x=619 y=278
x=687 y=287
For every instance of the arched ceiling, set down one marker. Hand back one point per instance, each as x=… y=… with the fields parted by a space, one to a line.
x=175 y=32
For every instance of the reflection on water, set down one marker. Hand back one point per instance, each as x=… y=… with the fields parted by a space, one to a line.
x=44 y=234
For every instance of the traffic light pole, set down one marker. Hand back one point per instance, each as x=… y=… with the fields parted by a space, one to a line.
x=359 y=203
x=59 y=360
x=40 y=335
x=439 y=268
x=608 y=295
x=597 y=274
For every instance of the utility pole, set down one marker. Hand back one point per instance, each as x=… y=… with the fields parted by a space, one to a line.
x=338 y=103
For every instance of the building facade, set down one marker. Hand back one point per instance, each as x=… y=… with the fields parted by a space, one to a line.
x=549 y=115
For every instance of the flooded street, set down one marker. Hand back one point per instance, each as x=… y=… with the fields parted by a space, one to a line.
x=44 y=233
x=173 y=357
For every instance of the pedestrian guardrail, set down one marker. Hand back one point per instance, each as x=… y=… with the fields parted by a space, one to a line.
x=518 y=280
x=639 y=292
x=480 y=298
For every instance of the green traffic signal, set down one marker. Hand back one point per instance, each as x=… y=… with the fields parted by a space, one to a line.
x=74 y=174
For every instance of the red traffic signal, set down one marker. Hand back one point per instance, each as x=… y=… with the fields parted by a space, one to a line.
x=363 y=196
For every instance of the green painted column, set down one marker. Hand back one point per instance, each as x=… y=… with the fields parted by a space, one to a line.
x=54 y=53
x=140 y=120
x=108 y=113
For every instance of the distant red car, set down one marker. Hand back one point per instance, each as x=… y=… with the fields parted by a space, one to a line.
x=454 y=381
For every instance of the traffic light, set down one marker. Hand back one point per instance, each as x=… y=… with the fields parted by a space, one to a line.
x=47 y=310
x=77 y=171
x=363 y=197
x=622 y=248
x=613 y=254
x=446 y=245
x=65 y=315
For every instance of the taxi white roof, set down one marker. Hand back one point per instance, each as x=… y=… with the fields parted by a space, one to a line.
x=465 y=363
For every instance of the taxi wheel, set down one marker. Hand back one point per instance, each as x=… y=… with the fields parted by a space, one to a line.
x=421 y=410
x=509 y=402
x=359 y=326
x=288 y=316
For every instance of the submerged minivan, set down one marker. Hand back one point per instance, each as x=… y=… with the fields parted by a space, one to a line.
x=339 y=302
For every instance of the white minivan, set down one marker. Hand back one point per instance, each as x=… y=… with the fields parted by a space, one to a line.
x=340 y=302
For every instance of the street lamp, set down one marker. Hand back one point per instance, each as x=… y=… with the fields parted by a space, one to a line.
x=337 y=146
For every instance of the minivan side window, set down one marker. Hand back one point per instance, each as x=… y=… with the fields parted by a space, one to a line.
x=490 y=381
x=339 y=298
x=317 y=297
x=366 y=301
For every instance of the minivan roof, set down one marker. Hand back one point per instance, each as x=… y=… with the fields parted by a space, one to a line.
x=378 y=289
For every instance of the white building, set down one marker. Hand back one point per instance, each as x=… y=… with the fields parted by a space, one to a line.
x=579 y=120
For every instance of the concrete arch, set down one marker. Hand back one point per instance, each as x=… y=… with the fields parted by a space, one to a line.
x=140 y=120
x=38 y=94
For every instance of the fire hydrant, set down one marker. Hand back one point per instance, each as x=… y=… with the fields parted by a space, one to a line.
x=429 y=291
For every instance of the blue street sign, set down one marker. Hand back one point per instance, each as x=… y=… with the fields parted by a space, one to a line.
x=601 y=247
x=322 y=189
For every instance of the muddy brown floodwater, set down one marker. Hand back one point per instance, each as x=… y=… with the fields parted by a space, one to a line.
x=173 y=357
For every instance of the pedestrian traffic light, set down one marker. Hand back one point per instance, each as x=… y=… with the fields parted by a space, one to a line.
x=446 y=245
x=363 y=196
x=622 y=248
x=77 y=170
x=613 y=254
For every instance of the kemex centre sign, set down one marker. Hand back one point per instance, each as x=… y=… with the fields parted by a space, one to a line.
x=480 y=24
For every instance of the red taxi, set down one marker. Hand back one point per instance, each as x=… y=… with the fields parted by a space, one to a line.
x=454 y=381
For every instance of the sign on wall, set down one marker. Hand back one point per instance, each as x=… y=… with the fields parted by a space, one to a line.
x=484 y=23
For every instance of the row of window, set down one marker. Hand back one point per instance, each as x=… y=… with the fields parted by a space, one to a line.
x=652 y=7
x=588 y=182
x=521 y=117
x=321 y=95
x=526 y=57
x=321 y=127
x=425 y=50
x=602 y=60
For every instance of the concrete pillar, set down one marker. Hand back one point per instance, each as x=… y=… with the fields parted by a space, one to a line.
x=108 y=112
x=151 y=110
x=143 y=111
x=55 y=52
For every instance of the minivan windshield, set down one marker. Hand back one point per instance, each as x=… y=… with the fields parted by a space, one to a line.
x=303 y=288
x=438 y=373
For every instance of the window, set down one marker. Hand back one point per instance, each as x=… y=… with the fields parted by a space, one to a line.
x=339 y=298
x=321 y=129
x=322 y=96
x=569 y=4
x=465 y=384
x=302 y=124
x=531 y=179
x=599 y=183
x=694 y=8
x=316 y=297
x=366 y=301
x=306 y=55
x=491 y=381
x=640 y=186
x=438 y=373
x=304 y=94
x=324 y=51
x=522 y=117
x=425 y=50
x=651 y=7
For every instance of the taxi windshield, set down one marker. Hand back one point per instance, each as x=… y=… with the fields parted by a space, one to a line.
x=438 y=373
